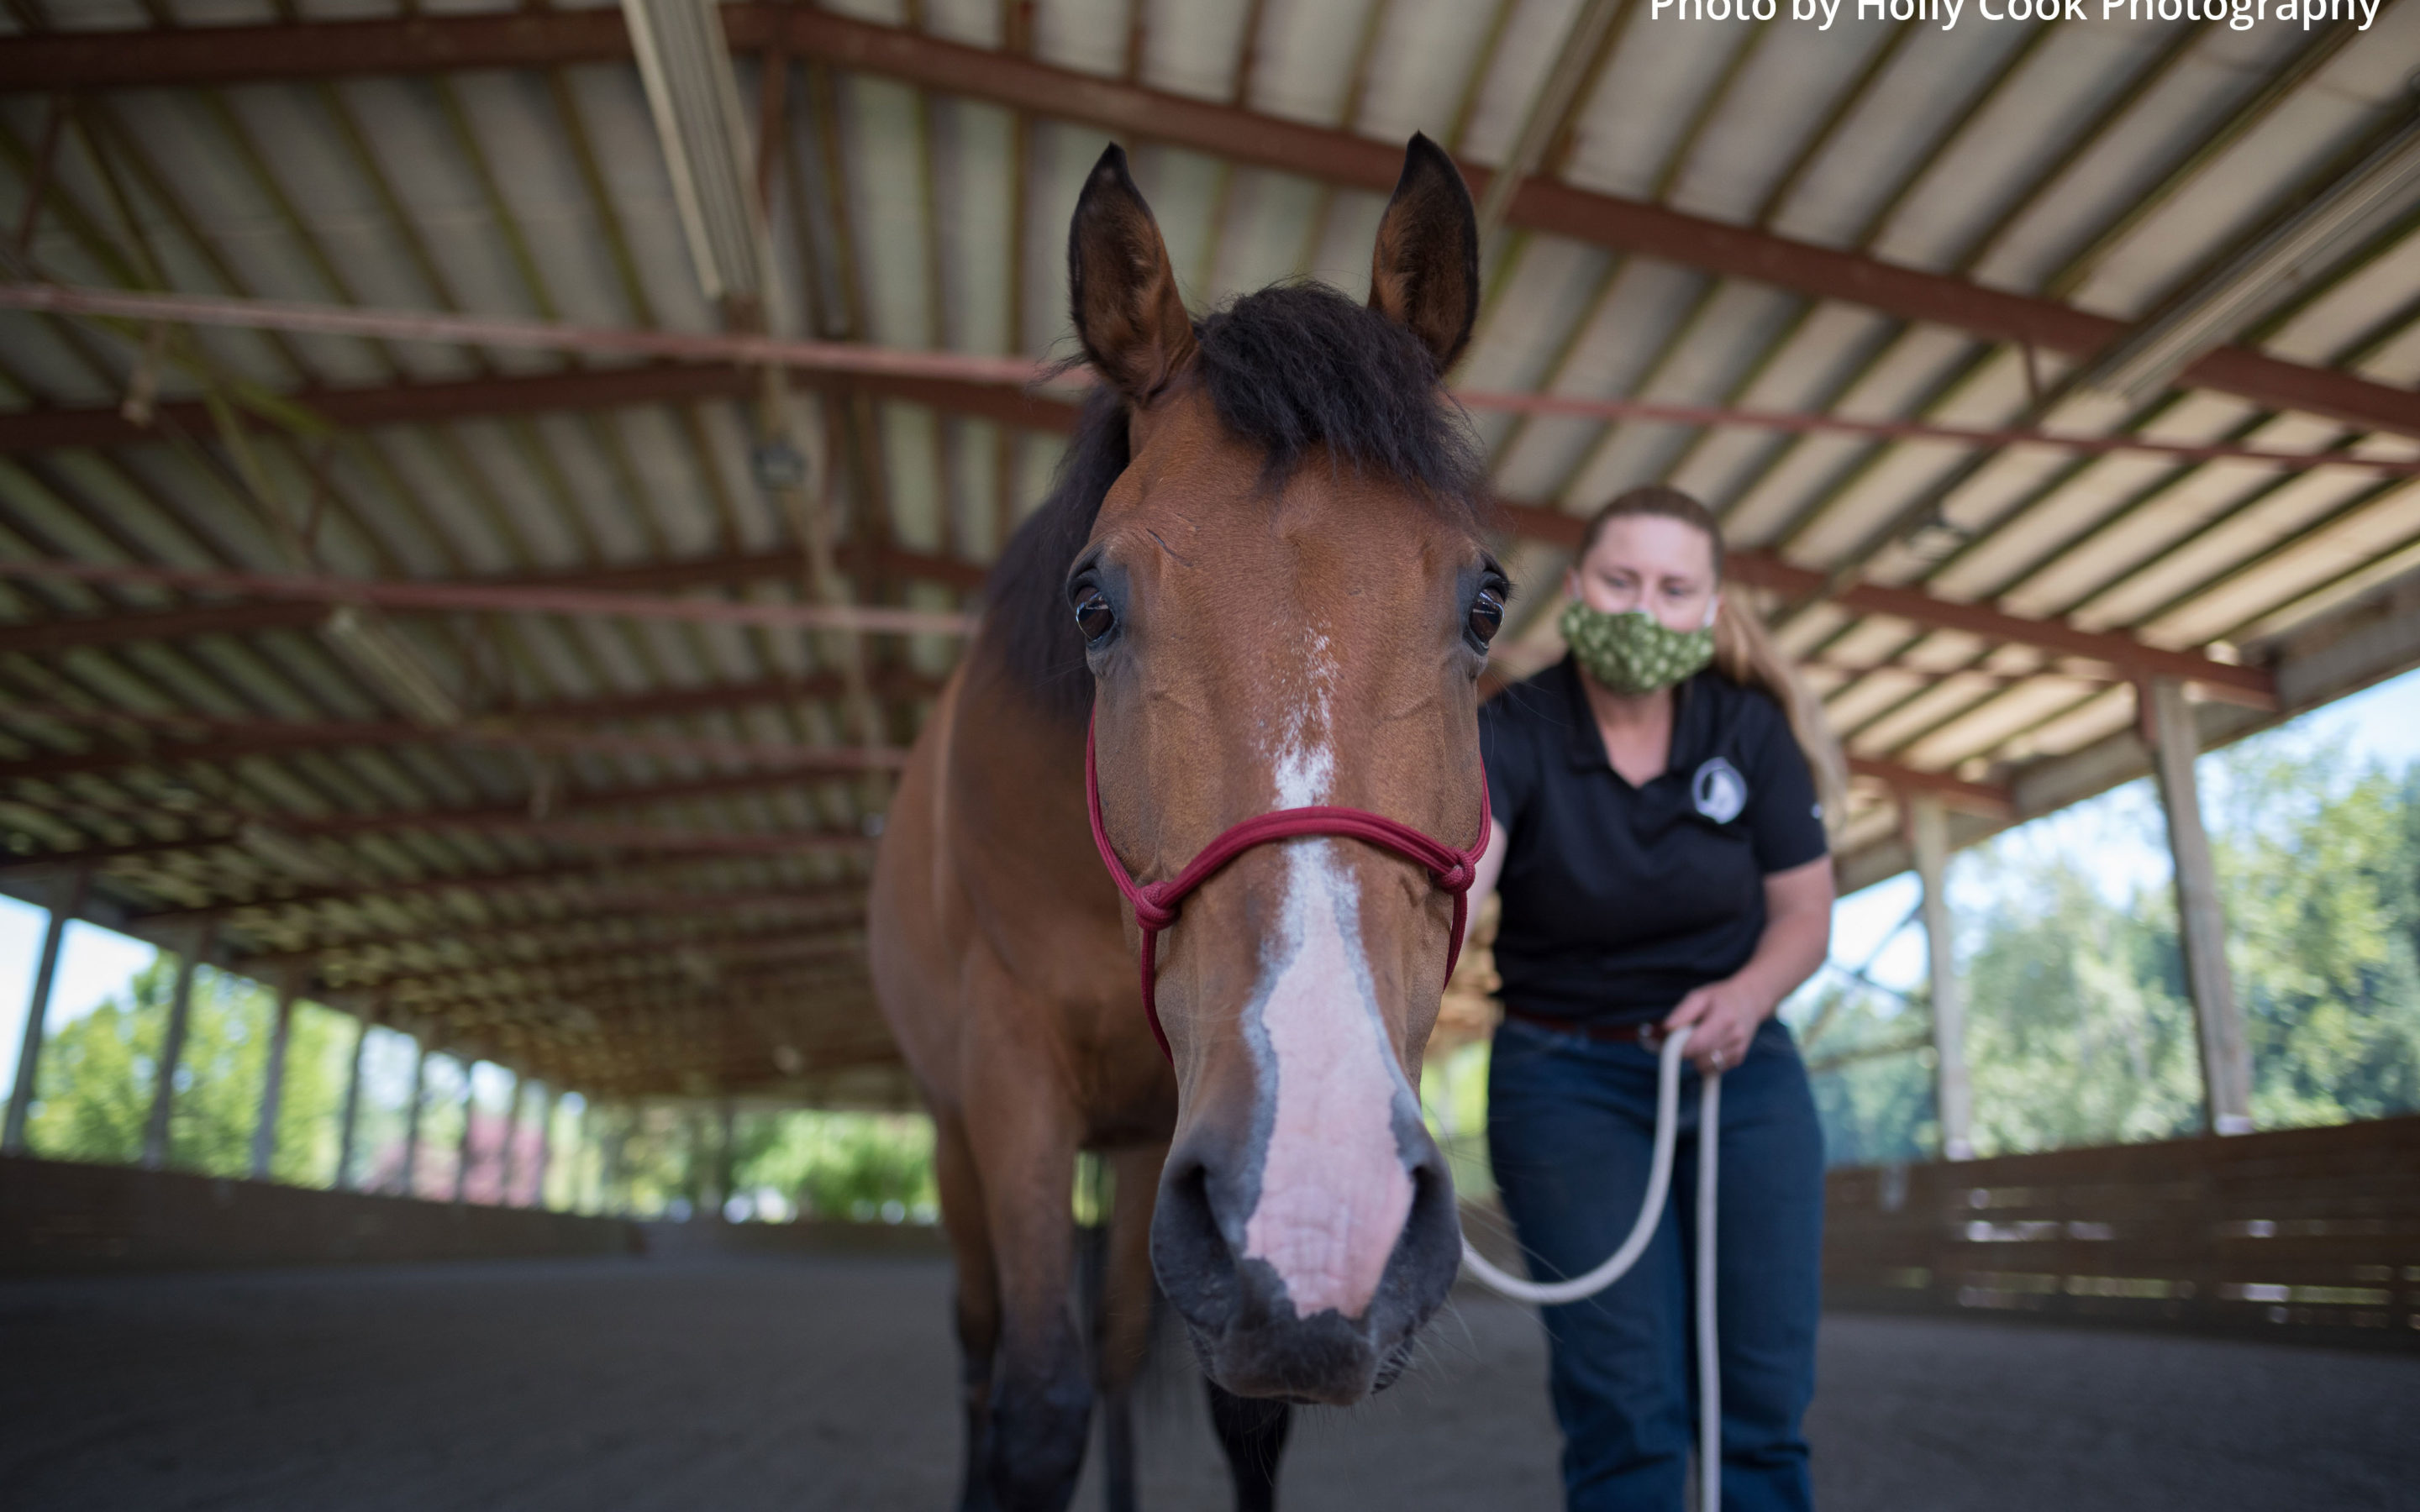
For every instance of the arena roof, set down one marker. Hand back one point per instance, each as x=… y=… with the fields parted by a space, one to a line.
x=534 y=686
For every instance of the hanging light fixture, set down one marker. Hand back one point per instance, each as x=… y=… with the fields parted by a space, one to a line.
x=373 y=647
x=685 y=63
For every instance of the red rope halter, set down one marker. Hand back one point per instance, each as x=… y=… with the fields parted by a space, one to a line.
x=1156 y=903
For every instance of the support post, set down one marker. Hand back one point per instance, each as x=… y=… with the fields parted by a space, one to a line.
x=465 y=1151
x=726 y=1156
x=65 y=905
x=2201 y=921
x=345 y=1138
x=405 y=1178
x=545 y=1101
x=172 y=1051
x=610 y=1175
x=694 y=1174
x=512 y=1133
x=272 y=1081
x=1953 y=1095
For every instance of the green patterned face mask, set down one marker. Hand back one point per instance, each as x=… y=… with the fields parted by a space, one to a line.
x=1632 y=653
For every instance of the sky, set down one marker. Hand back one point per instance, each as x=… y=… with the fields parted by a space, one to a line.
x=2118 y=831
x=2379 y=725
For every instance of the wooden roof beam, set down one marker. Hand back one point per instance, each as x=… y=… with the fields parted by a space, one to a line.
x=1974 y=798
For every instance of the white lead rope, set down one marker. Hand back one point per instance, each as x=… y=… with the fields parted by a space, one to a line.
x=1618 y=1264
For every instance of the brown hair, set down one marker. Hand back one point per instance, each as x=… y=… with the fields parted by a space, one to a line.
x=1744 y=652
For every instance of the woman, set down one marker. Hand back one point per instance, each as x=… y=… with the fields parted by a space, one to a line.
x=1660 y=847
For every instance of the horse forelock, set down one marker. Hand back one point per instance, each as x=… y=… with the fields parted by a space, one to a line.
x=1297 y=370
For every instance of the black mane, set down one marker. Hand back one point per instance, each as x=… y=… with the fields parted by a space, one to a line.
x=1292 y=369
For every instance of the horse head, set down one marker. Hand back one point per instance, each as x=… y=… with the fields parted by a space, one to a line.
x=1286 y=603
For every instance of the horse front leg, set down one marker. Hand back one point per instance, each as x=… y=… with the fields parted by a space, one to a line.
x=1123 y=1327
x=1253 y=1431
x=1022 y=1129
x=978 y=1300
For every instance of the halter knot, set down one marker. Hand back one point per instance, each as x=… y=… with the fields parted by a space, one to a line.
x=1156 y=903
x=1154 y=908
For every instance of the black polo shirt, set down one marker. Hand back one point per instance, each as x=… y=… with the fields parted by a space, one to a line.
x=1619 y=900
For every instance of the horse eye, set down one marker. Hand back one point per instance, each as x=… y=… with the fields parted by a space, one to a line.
x=1094 y=615
x=1486 y=615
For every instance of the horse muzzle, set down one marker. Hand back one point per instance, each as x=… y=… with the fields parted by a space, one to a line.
x=1253 y=1332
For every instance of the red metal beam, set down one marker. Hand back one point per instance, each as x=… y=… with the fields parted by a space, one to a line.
x=516 y=823
x=205 y=56
x=68 y=634
x=712 y=697
x=1627 y=226
x=585 y=388
x=2249 y=685
x=1044 y=411
x=995 y=388
x=619 y=968
x=227 y=740
x=554 y=934
x=51 y=637
x=843 y=360
x=545 y=725
x=513 y=821
x=567 y=975
x=400 y=404
x=495 y=598
x=137 y=59
x=472 y=1008
x=580 y=884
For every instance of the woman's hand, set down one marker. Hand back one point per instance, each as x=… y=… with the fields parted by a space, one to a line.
x=1797 y=932
x=1723 y=1017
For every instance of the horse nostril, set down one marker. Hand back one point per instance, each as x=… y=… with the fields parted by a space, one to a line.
x=1433 y=1218
x=1431 y=1187
x=1188 y=1250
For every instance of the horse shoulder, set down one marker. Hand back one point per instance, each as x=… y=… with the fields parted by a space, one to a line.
x=918 y=922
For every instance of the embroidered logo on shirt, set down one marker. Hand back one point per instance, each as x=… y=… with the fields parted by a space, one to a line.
x=1718 y=791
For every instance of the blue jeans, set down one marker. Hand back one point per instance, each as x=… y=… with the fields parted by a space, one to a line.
x=1571 y=1123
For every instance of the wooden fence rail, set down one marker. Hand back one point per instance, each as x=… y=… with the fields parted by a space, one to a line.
x=2310 y=1234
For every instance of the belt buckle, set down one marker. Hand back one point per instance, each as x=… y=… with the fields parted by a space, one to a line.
x=1651 y=1037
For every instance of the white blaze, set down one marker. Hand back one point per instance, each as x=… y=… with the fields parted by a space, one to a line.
x=1334 y=1192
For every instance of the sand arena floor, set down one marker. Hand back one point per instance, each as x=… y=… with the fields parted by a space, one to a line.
x=803 y=1384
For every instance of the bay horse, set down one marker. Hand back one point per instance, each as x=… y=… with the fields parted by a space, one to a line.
x=1258 y=583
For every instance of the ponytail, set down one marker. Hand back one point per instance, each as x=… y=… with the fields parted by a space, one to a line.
x=1744 y=649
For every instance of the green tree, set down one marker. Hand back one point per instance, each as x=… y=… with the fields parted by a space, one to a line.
x=842 y=1165
x=2078 y=1030
x=2320 y=864
x=99 y=1074
x=1873 y=1082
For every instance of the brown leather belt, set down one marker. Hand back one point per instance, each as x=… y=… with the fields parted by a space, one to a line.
x=1650 y=1034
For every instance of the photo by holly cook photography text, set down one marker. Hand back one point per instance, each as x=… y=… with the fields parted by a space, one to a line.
x=2239 y=15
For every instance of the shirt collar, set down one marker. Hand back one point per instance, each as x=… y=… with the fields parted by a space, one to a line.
x=1692 y=729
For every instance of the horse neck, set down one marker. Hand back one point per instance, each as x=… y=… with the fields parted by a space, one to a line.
x=1015 y=786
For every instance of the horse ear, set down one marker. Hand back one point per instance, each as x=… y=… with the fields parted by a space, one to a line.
x=1425 y=270
x=1128 y=314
